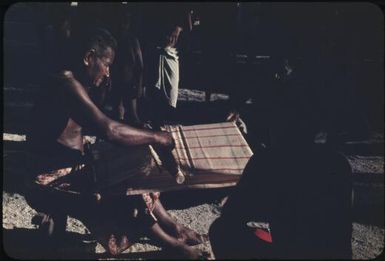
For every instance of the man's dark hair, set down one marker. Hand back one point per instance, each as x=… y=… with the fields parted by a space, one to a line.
x=98 y=39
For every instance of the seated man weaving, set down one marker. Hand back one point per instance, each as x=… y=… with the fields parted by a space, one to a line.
x=59 y=159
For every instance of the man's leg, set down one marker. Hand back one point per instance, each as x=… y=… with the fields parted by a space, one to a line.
x=109 y=236
x=178 y=247
x=181 y=232
x=133 y=116
x=53 y=226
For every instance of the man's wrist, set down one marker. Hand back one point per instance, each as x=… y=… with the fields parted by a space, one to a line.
x=158 y=138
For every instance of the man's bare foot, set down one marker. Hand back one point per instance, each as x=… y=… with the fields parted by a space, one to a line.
x=115 y=247
x=189 y=236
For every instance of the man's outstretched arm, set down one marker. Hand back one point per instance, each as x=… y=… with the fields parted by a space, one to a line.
x=87 y=114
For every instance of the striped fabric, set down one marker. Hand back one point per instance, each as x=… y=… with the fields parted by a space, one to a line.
x=210 y=148
x=209 y=155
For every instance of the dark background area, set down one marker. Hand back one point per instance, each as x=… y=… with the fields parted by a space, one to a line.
x=336 y=50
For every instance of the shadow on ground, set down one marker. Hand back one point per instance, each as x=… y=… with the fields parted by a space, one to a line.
x=21 y=243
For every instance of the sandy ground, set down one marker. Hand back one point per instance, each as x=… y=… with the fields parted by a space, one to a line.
x=367 y=239
x=17 y=215
x=21 y=239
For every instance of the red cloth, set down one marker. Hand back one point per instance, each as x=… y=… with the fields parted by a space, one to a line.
x=263 y=234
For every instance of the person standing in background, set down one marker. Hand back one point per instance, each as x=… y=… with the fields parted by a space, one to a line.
x=162 y=59
x=128 y=72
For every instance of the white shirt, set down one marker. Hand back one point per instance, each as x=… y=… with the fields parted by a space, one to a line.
x=168 y=77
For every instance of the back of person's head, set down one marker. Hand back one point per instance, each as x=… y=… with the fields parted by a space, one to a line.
x=98 y=39
x=292 y=127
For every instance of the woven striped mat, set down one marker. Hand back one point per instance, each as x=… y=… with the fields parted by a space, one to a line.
x=209 y=155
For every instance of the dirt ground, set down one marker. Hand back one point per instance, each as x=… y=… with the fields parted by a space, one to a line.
x=20 y=234
x=21 y=237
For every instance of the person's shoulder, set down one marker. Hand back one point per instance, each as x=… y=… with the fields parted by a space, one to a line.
x=65 y=75
x=325 y=149
x=65 y=80
x=54 y=81
x=331 y=156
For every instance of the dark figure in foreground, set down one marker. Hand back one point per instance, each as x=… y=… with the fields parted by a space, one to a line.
x=293 y=200
x=56 y=144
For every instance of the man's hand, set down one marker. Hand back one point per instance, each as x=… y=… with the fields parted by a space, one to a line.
x=165 y=139
x=235 y=117
x=232 y=116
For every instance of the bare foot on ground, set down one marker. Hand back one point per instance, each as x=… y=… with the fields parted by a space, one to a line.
x=115 y=246
x=189 y=236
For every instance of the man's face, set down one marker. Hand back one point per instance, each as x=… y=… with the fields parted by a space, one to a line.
x=98 y=69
